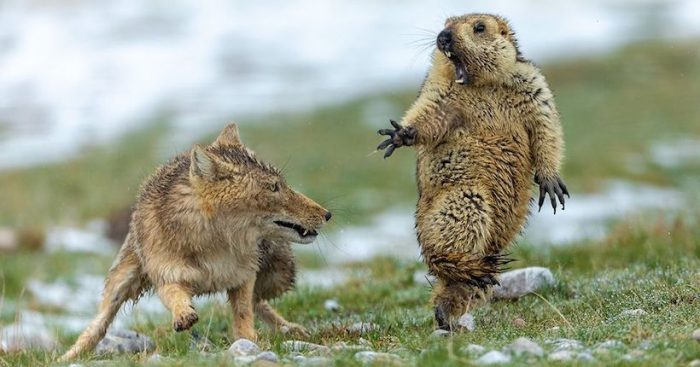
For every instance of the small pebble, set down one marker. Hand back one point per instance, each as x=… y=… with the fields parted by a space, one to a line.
x=694 y=363
x=124 y=341
x=331 y=305
x=611 y=344
x=244 y=359
x=343 y=346
x=267 y=356
x=467 y=322
x=696 y=334
x=243 y=348
x=518 y=322
x=368 y=357
x=524 y=346
x=362 y=327
x=440 y=333
x=493 y=357
x=565 y=344
x=473 y=350
x=561 y=356
x=302 y=346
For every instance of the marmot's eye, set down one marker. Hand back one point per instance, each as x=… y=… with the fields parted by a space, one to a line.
x=275 y=187
x=479 y=28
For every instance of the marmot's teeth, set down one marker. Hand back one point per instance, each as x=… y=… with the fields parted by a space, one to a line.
x=460 y=81
x=305 y=233
x=448 y=54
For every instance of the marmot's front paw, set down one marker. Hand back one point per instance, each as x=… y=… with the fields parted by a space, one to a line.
x=398 y=137
x=555 y=187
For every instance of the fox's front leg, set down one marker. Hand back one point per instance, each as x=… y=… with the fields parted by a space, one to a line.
x=178 y=299
x=241 y=300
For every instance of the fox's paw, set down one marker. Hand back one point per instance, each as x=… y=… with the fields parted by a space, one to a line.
x=185 y=320
x=555 y=188
x=295 y=330
x=398 y=137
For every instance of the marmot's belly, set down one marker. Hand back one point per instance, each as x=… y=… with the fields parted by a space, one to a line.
x=499 y=168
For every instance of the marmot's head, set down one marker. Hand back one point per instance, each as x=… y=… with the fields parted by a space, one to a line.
x=480 y=46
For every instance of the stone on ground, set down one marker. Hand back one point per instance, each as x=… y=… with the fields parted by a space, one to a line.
x=524 y=346
x=243 y=348
x=517 y=283
x=493 y=357
x=125 y=341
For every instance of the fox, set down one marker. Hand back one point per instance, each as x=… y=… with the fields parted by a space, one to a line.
x=215 y=218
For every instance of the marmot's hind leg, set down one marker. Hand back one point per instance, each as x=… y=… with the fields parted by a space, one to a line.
x=456 y=245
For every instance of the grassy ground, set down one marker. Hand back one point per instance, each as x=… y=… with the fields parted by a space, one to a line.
x=613 y=109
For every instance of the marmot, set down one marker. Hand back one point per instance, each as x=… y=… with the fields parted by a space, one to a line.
x=483 y=124
x=212 y=219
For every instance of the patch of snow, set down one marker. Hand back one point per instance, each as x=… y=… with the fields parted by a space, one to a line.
x=75 y=74
x=90 y=239
x=673 y=154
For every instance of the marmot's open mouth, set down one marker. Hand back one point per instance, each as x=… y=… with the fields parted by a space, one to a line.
x=303 y=232
x=460 y=68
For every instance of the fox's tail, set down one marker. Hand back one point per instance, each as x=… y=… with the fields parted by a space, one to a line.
x=123 y=282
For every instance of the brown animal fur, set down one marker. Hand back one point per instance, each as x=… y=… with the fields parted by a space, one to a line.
x=485 y=119
x=211 y=220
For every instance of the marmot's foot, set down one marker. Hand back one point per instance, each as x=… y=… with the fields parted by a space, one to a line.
x=442 y=317
x=398 y=137
x=185 y=320
x=555 y=187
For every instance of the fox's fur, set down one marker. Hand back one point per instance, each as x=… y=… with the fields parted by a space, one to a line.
x=213 y=219
x=479 y=139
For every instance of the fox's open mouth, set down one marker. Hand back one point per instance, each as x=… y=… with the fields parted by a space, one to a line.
x=460 y=69
x=303 y=232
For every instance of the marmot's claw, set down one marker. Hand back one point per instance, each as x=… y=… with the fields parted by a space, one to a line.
x=442 y=317
x=398 y=137
x=555 y=188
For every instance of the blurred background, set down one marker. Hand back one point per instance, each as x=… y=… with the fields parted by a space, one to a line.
x=95 y=94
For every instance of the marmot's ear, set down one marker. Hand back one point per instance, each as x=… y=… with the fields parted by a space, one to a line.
x=202 y=164
x=229 y=136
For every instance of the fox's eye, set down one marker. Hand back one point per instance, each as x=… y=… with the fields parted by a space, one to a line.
x=479 y=28
x=275 y=187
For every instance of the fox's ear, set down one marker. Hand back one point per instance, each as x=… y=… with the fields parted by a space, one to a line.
x=229 y=137
x=202 y=164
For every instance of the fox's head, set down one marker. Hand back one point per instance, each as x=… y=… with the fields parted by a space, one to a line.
x=232 y=183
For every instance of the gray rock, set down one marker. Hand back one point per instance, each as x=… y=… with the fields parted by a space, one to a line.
x=517 y=283
x=302 y=346
x=635 y=313
x=493 y=357
x=694 y=363
x=316 y=362
x=363 y=327
x=267 y=356
x=519 y=322
x=22 y=336
x=440 y=333
x=121 y=341
x=368 y=357
x=696 y=334
x=466 y=322
x=473 y=350
x=243 y=348
x=611 y=344
x=343 y=346
x=564 y=344
x=331 y=305
x=585 y=357
x=561 y=356
x=243 y=359
x=524 y=346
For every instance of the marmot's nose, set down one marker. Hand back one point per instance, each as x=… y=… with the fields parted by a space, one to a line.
x=444 y=40
x=328 y=216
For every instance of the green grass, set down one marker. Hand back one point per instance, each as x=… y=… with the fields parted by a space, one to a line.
x=653 y=268
x=614 y=107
